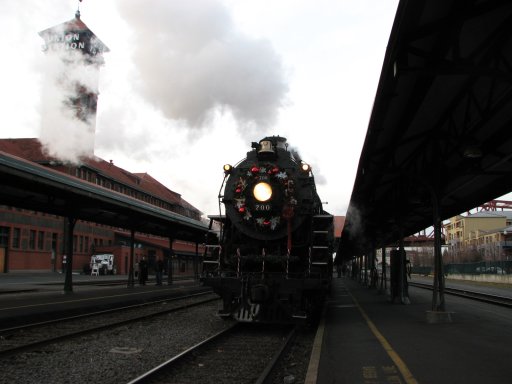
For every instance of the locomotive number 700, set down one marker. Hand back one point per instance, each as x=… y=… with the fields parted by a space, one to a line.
x=263 y=207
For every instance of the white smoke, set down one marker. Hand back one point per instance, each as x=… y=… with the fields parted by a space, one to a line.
x=67 y=128
x=193 y=63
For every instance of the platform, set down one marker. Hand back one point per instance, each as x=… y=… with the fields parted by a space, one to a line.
x=366 y=339
x=25 y=296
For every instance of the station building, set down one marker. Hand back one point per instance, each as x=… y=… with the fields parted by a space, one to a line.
x=35 y=241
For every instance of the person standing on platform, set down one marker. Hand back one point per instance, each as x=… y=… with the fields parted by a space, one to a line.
x=136 y=270
x=143 y=271
x=159 y=271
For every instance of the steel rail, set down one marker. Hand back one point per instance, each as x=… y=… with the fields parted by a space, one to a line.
x=145 y=377
x=102 y=312
x=77 y=333
x=474 y=295
x=264 y=377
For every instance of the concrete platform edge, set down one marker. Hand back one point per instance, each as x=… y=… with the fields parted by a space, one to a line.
x=314 y=360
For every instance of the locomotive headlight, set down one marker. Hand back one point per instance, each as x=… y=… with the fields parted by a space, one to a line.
x=305 y=167
x=262 y=191
x=227 y=169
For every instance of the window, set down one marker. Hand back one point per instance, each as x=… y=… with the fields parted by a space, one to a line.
x=4 y=237
x=40 y=240
x=54 y=242
x=32 y=240
x=16 y=238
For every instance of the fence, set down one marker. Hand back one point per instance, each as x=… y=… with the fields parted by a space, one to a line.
x=501 y=267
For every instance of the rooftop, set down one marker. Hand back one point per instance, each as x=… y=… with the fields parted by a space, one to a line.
x=32 y=150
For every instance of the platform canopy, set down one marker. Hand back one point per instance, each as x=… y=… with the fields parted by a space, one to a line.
x=28 y=185
x=441 y=125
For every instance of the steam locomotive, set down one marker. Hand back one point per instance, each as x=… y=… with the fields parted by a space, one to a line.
x=272 y=261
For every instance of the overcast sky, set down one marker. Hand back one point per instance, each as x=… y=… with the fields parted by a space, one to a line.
x=188 y=85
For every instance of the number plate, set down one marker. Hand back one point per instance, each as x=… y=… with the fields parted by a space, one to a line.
x=263 y=207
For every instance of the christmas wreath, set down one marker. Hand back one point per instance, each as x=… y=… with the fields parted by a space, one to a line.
x=277 y=205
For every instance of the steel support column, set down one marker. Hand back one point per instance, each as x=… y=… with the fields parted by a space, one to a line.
x=131 y=279
x=373 y=268
x=68 y=282
x=196 y=263
x=169 y=263
x=438 y=291
x=404 y=286
x=383 y=278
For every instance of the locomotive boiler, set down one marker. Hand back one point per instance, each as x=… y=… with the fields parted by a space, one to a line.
x=271 y=258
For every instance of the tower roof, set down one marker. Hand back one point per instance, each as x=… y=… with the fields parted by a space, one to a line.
x=73 y=34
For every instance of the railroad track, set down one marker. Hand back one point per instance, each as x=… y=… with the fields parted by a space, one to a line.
x=469 y=294
x=29 y=336
x=243 y=353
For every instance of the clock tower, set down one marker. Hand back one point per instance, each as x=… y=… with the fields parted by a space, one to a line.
x=70 y=93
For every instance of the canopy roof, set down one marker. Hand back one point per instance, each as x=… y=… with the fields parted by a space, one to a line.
x=440 y=128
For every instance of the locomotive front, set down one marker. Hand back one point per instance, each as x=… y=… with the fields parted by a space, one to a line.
x=263 y=191
x=273 y=258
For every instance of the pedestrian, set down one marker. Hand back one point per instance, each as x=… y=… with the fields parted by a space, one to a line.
x=143 y=271
x=159 y=271
x=136 y=270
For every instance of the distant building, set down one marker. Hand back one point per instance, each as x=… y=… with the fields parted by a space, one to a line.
x=339 y=222
x=485 y=236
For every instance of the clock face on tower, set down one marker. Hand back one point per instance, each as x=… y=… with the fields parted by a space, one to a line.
x=73 y=35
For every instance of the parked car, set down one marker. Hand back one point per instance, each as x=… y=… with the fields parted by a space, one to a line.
x=495 y=270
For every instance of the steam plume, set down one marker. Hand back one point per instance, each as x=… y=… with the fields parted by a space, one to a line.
x=193 y=62
x=68 y=104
